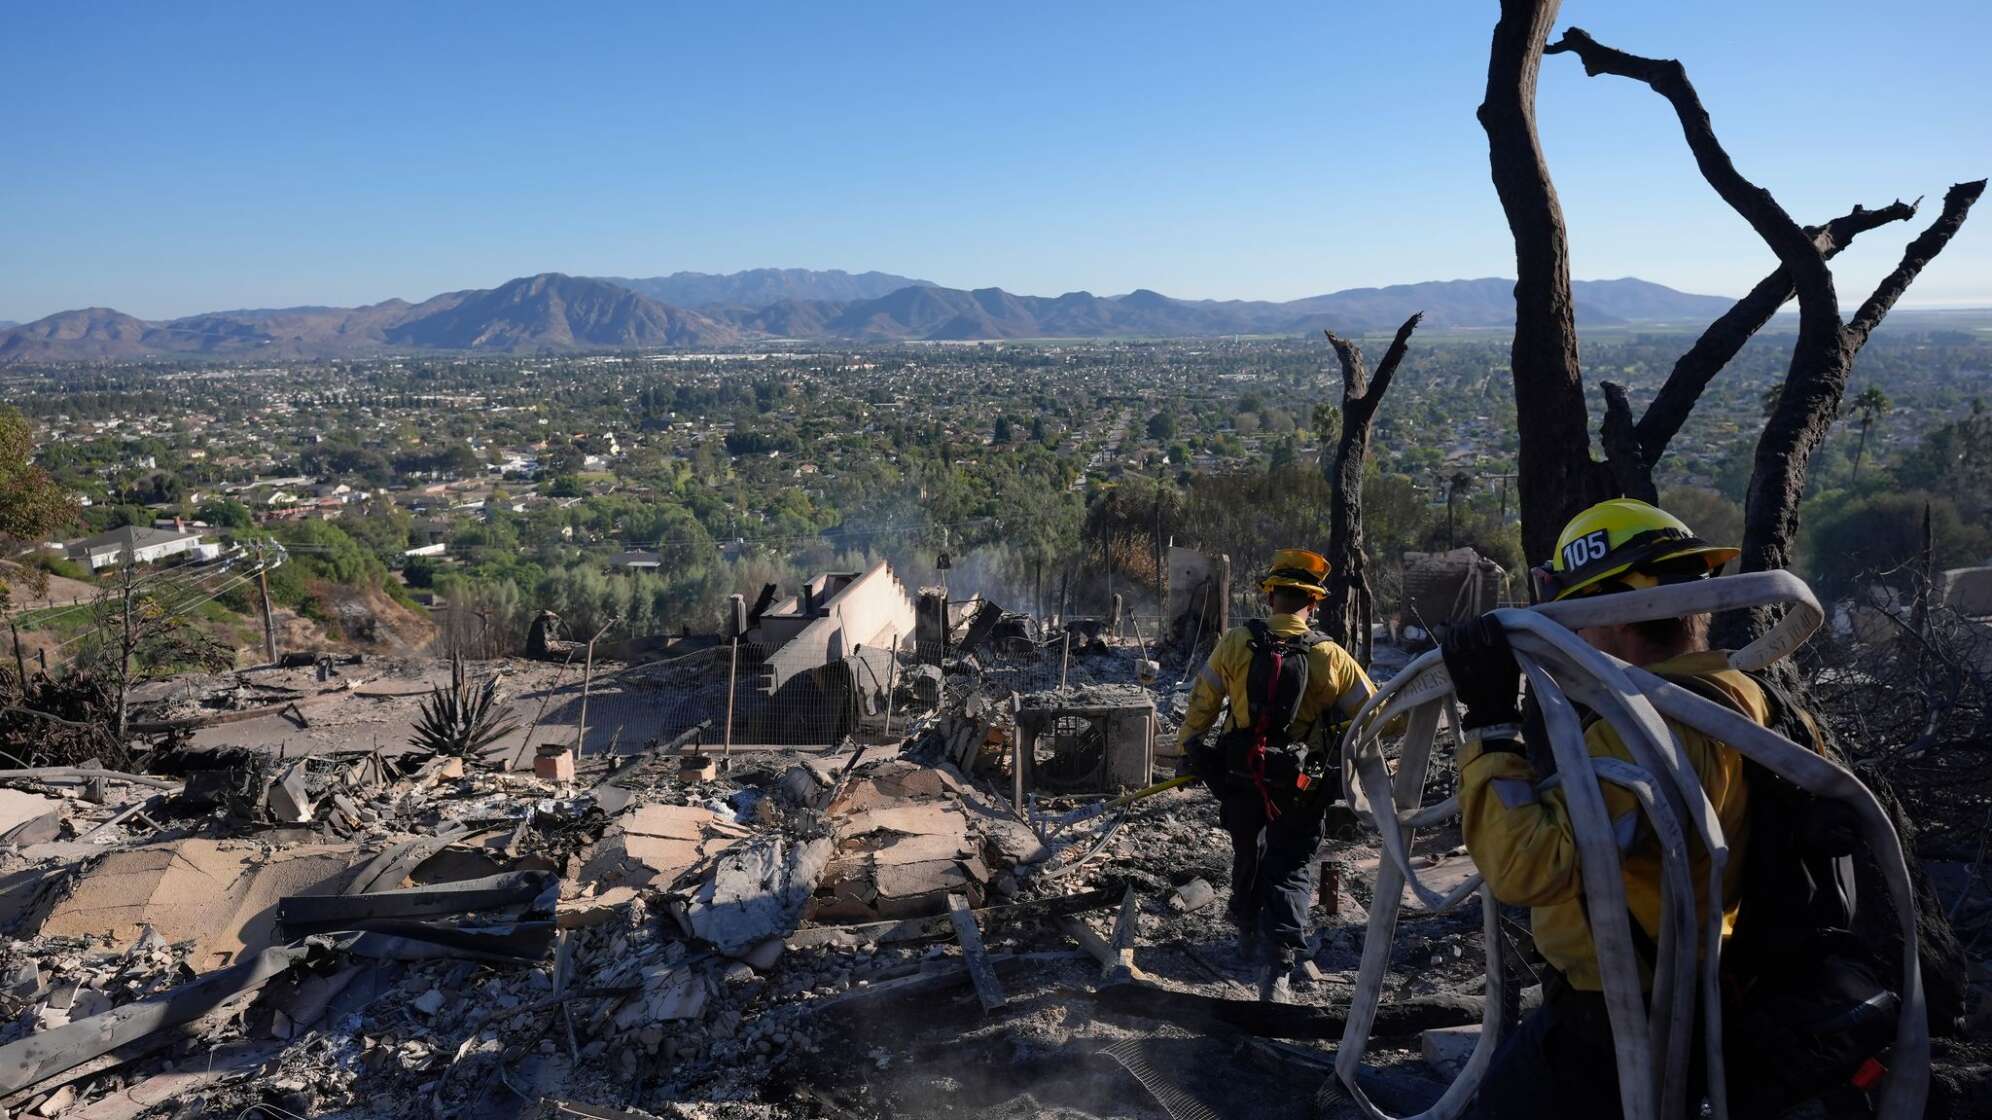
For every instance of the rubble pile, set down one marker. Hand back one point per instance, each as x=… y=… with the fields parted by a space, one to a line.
x=965 y=921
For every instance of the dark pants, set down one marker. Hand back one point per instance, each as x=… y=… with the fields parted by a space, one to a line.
x=1560 y=1062
x=1272 y=867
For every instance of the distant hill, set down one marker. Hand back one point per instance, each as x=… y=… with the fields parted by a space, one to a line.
x=530 y=314
x=554 y=312
x=950 y=313
x=760 y=287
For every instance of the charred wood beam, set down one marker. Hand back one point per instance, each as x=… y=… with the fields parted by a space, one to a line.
x=45 y=1054
x=940 y=925
x=1555 y=474
x=301 y=914
x=1213 y=1014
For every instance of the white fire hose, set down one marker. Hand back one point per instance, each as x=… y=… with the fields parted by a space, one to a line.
x=1651 y=1047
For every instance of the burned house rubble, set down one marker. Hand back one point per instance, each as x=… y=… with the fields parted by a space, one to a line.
x=953 y=902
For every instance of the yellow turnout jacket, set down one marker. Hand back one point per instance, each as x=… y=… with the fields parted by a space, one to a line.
x=1523 y=843
x=1334 y=680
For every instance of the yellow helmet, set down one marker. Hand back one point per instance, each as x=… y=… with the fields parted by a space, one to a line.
x=1623 y=544
x=1297 y=568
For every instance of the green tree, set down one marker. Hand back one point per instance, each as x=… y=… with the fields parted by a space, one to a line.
x=1955 y=459
x=1161 y=427
x=1878 y=539
x=225 y=513
x=1002 y=433
x=32 y=506
x=1710 y=513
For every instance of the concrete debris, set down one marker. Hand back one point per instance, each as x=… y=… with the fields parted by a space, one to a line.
x=28 y=818
x=220 y=897
x=1193 y=895
x=652 y=845
x=289 y=798
x=356 y=930
x=1447 y=1049
x=756 y=893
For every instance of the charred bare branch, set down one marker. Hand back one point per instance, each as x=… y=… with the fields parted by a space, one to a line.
x=1725 y=337
x=1347 y=613
x=1792 y=244
x=1822 y=359
x=1957 y=204
x=1631 y=467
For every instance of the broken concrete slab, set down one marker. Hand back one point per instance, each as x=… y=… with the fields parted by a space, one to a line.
x=224 y=899
x=669 y=994
x=594 y=910
x=893 y=783
x=1447 y=1049
x=289 y=798
x=652 y=845
x=1193 y=895
x=28 y=818
x=756 y=892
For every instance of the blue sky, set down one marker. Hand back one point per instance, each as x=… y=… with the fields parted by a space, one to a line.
x=171 y=158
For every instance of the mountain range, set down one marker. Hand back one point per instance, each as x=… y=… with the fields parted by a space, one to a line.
x=553 y=312
x=759 y=287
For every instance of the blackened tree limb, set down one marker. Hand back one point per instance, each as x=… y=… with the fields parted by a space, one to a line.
x=1810 y=400
x=1668 y=78
x=1556 y=475
x=1631 y=468
x=1820 y=362
x=1347 y=614
x=1957 y=204
x=1719 y=344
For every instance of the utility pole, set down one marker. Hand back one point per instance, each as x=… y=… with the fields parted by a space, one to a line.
x=269 y=626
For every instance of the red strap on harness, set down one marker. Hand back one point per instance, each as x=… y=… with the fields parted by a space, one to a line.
x=1260 y=731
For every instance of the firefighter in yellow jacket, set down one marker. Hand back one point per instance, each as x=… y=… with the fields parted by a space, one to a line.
x=1286 y=686
x=1560 y=1061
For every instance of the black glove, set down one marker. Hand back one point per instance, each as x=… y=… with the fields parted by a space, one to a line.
x=1484 y=674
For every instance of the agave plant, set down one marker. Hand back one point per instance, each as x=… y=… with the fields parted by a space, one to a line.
x=465 y=719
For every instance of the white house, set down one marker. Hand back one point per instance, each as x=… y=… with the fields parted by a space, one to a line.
x=134 y=544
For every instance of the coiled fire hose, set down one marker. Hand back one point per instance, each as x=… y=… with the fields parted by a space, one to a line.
x=1651 y=1047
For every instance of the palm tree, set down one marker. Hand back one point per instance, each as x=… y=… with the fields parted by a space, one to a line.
x=1872 y=403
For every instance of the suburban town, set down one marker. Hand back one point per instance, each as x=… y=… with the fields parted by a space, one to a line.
x=1384 y=575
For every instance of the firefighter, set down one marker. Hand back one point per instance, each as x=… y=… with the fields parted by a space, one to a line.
x=1559 y=1062
x=1286 y=685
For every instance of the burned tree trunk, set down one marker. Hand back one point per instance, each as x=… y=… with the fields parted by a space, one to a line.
x=1556 y=474
x=1823 y=357
x=1348 y=612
